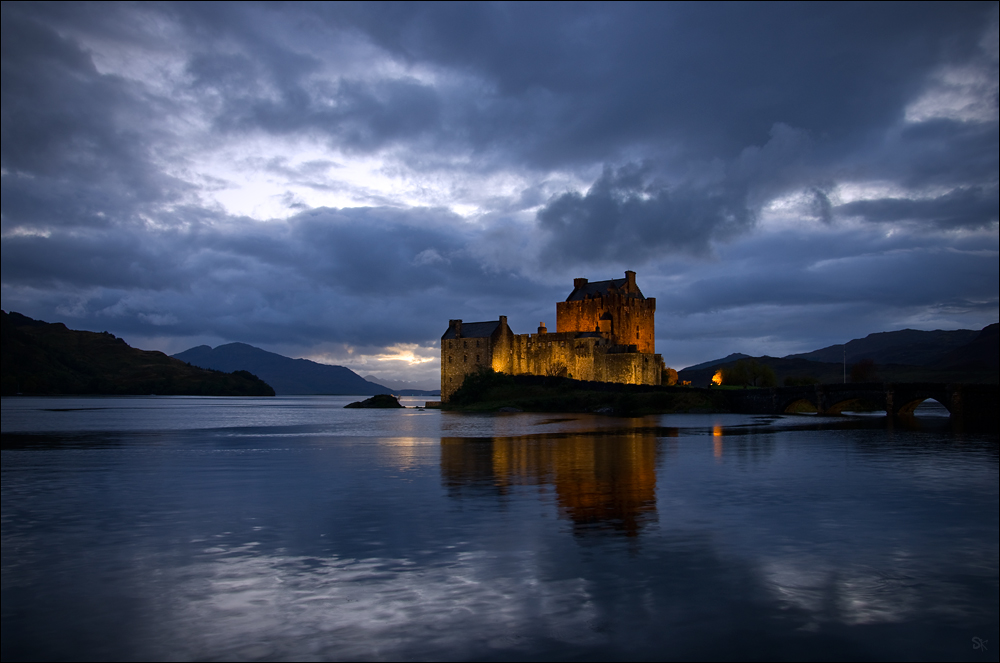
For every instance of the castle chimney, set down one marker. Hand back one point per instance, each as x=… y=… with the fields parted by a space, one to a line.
x=579 y=283
x=630 y=281
x=457 y=325
x=542 y=329
x=503 y=320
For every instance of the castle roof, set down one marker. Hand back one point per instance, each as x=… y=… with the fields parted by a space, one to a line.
x=473 y=330
x=599 y=288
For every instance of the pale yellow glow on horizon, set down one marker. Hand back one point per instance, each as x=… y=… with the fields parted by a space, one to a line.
x=411 y=354
x=402 y=354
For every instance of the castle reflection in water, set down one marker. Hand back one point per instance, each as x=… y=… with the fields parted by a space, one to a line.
x=603 y=481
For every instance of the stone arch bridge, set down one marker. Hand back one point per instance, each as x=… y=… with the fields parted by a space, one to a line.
x=971 y=403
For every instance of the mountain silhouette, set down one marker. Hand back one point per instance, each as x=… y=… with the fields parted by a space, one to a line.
x=908 y=355
x=49 y=358
x=288 y=377
x=907 y=346
x=716 y=362
x=983 y=351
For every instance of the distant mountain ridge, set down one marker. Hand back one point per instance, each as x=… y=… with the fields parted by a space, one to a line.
x=289 y=377
x=403 y=387
x=715 y=362
x=907 y=346
x=50 y=359
x=908 y=355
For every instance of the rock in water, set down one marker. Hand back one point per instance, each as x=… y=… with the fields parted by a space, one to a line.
x=381 y=400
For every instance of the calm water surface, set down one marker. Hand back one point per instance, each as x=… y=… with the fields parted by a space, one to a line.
x=290 y=528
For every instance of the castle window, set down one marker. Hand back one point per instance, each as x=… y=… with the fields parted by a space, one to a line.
x=477 y=359
x=465 y=359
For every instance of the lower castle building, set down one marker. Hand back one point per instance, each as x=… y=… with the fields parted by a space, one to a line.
x=604 y=332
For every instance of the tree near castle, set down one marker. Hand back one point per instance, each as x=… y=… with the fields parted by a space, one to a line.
x=749 y=373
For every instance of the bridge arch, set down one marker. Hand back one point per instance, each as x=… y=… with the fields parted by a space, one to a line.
x=855 y=403
x=911 y=404
x=800 y=405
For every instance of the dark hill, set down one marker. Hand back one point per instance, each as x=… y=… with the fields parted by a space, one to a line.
x=908 y=346
x=48 y=359
x=717 y=362
x=783 y=368
x=288 y=376
x=983 y=353
x=903 y=356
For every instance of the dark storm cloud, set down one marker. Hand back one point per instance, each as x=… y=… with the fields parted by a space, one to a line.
x=554 y=87
x=545 y=87
x=623 y=218
x=967 y=207
x=865 y=269
x=942 y=153
x=373 y=276
x=638 y=213
x=713 y=77
x=793 y=292
x=355 y=116
x=75 y=142
x=683 y=122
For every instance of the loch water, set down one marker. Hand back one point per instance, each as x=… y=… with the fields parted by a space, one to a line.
x=176 y=528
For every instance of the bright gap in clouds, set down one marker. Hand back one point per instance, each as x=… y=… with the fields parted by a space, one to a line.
x=418 y=364
x=966 y=93
x=267 y=178
x=274 y=176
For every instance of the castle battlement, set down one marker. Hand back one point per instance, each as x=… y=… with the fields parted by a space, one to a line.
x=604 y=333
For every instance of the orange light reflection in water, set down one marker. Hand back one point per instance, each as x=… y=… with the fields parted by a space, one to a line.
x=717 y=441
x=603 y=481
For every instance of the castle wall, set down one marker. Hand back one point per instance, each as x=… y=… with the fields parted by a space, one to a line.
x=553 y=354
x=631 y=368
x=581 y=359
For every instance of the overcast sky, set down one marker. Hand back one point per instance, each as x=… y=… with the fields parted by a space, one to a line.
x=337 y=181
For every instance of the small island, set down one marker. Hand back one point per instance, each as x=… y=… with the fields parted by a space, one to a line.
x=378 y=401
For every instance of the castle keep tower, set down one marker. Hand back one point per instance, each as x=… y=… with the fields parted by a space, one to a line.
x=604 y=333
x=615 y=307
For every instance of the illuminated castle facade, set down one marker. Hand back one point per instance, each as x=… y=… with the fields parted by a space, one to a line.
x=604 y=332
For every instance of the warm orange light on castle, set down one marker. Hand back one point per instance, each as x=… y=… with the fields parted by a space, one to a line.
x=717 y=378
x=604 y=333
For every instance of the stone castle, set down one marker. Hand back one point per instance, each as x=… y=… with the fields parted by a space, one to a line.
x=604 y=332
